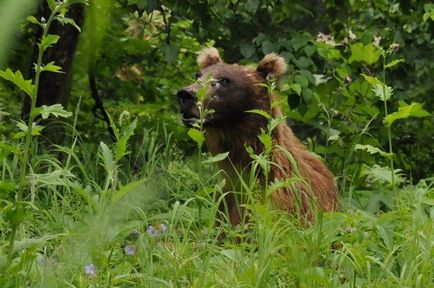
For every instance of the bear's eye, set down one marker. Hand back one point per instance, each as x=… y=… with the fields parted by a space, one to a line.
x=197 y=75
x=225 y=81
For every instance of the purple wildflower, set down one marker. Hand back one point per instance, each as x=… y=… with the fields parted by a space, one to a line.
x=90 y=270
x=152 y=231
x=130 y=249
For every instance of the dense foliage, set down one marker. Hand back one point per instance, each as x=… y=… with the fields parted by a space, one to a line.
x=140 y=209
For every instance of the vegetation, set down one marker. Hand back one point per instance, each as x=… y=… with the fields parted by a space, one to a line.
x=112 y=191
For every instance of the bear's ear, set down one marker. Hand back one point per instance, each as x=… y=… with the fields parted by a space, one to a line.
x=272 y=64
x=208 y=57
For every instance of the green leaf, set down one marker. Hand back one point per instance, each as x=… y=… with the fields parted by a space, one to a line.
x=383 y=92
x=267 y=47
x=124 y=190
x=372 y=150
x=15 y=216
x=429 y=12
x=107 y=156
x=259 y=112
x=196 y=135
x=18 y=79
x=393 y=63
x=296 y=88
x=170 y=52
x=141 y=4
x=378 y=173
x=251 y=6
x=372 y=80
x=53 y=178
x=51 y=67
x=266 y=140
x=52 y=4
x=48 y=41
x=65 y=20
x=5 y=149
x=247 y=50
x=6 y=188
x=216 y=158
x=361 y=53
x=33 y=20
x=302 y=80
x=36 y=129
x=121 y=145
x=413 y=110
x=55 y=110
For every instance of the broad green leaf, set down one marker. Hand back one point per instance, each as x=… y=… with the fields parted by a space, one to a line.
x=6 y=149
x=6 y=188
x=266 y=140
x=140 y=3
x=247 y=50
x=267 y=47
x=378 y=173
x=361 y=53
x=107 y=156
x=302 y=80
x=328 y=52
x=393 y=63
x=412 y=110
x=121 y=145
x=124 y=190
x=383 y=92
x=372 y=150
x=51 y=67
x=251 y=5
x=55 y=110
x=52 y=4
x=372 y=80
x=48 y=41
x=36 y=129
x=216 y=158
x=18 y=79
x=296 y=88
x=429 y=12
x=170 y=52
x=259 y=112
x=201 y=93
x=15 y=215
x=196 y=135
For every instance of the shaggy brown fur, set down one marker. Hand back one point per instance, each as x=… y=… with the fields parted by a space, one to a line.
x=231 y=91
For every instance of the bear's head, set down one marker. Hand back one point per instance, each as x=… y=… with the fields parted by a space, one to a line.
x=228 y=90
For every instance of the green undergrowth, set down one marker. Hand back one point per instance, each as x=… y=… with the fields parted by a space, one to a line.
x=146 y=218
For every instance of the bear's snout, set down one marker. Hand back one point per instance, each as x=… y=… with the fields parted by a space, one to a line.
x=187 y=101
x=185 y=97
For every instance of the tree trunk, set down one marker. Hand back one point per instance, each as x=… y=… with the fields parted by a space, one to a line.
x=54 y=88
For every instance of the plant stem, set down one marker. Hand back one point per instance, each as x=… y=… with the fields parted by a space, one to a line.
x=389 y=131
x=27 y=143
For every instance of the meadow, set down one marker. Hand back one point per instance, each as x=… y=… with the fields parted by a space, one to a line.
x=138 y=208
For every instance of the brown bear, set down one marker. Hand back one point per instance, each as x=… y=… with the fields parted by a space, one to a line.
x=231 y=93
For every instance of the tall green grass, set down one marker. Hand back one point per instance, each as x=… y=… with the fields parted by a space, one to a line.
x=75 y=220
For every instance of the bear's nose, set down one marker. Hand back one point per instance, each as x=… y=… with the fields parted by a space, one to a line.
x=185 y=96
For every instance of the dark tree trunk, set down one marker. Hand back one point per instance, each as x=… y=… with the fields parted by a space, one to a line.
x=54 y=88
